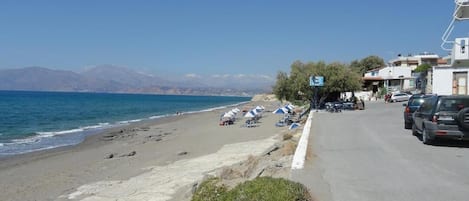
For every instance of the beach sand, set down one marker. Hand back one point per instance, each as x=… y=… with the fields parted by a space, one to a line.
x=145 y=161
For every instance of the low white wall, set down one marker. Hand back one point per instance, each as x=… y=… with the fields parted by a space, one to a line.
x=443 y=79
x=365 y=95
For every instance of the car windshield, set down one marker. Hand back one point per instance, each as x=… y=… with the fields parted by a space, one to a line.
x=453 y=104
x=416 y=102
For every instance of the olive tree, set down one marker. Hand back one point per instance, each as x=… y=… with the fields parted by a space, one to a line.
x=366 y=64
x=295 y=86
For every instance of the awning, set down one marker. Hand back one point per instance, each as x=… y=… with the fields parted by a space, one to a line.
x=372 y=78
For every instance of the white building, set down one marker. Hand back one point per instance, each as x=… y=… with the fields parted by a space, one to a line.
x=451 y=79
x=413 y=61
x=394 y=78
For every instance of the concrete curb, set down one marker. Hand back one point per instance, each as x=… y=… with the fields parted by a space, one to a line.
x=300 y=152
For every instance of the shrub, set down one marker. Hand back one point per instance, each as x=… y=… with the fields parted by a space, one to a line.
x=259 y=189
x=209 y=190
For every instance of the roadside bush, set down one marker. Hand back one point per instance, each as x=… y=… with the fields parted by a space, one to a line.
x=259 y=189
x=210 y=190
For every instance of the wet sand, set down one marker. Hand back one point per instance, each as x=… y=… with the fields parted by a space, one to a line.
x=145 y=161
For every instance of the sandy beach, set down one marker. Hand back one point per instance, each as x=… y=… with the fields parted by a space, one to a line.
x=145 y=161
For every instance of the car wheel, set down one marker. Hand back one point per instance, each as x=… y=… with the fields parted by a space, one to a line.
x=461 y=118
x=407 y=125
x=414 y=130
x=425 y=138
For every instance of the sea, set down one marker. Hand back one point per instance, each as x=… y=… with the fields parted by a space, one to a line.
x=33 y=121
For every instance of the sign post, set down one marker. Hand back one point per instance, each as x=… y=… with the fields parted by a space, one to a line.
x=316 y=82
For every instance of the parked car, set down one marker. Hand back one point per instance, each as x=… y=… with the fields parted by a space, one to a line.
x=442 y=117
x=400 y=97
x=413 y=104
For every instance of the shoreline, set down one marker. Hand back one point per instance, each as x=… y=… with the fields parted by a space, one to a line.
x=49 y=174
x=81 y=136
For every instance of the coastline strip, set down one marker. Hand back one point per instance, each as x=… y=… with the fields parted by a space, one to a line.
x=42 y=140
x=300 y=152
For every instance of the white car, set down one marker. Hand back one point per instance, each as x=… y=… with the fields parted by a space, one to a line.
x=400 y=97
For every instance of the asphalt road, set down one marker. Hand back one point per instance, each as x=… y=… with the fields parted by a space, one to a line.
x=369 y=156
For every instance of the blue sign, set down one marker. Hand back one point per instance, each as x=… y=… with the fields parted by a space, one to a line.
x=316 y=81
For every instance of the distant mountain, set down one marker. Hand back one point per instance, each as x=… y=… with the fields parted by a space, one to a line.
x=239 y=82
x=124 y=76
x=43 y=79
x=108 y=78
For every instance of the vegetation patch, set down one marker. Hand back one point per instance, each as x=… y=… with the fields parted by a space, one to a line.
x=288 y=148
x=287 y=136
x=259 y=189
x=338 y=78
x=210 y=190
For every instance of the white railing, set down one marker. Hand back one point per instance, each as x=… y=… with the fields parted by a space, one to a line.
x=461 y=12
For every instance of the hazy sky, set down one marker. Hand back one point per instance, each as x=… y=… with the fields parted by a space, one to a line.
x=215 y=37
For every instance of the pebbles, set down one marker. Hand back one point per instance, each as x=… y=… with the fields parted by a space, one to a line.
x=145 y=133
x=113 y=155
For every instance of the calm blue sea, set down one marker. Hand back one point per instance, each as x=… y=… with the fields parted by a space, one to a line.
x=32 y=121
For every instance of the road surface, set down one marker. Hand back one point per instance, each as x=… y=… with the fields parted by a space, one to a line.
x=369 y=156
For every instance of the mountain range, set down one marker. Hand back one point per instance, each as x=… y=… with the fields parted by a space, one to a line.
x=115 y=79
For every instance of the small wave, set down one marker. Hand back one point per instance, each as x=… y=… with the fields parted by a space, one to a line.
x=99 y=126
x=29 y=140
x=158 y=116
x=50 y=134
x=32 y=150
x=130 y=121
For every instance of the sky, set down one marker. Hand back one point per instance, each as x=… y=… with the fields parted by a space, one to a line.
x=219 y=37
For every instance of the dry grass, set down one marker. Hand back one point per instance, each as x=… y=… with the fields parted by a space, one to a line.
x=288 y=148
x=250 y=165
x=303 y=121
x=230 y=173
x=287 y=136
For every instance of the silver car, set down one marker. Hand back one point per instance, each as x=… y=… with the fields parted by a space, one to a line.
x=400 y=97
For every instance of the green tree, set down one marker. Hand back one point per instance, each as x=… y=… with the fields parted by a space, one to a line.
x=339 y=78
x=281 y=87
x=295 y=87
x=422 y=68
x=366 y=64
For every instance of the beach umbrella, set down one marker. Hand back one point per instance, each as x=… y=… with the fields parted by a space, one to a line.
x=294 y=126
x=259 y=109
x=280 y=111
x=234 y=111
x=254 y=111
x=250 y=114
x=229 y=115
x=288 y=108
